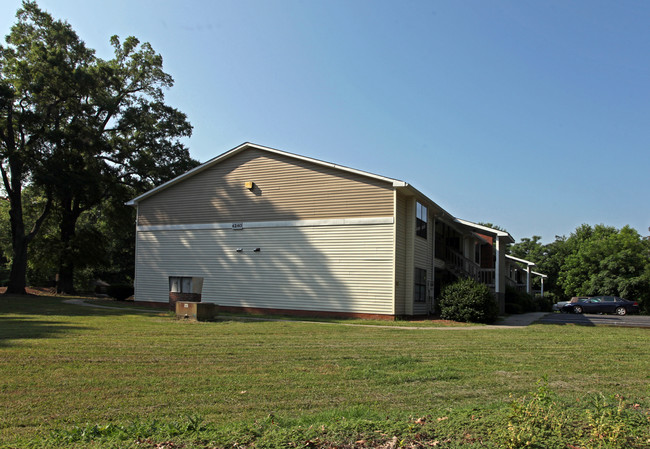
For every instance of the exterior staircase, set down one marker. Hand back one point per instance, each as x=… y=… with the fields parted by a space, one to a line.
x=463 y=267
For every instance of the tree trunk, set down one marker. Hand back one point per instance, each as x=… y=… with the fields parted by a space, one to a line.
x=19 y=242
x=19 y=238
x=18 y=274
x=70 y=213
x=14 y=188
x=65 y=281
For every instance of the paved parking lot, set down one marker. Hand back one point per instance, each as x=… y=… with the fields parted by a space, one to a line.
x=596 y=320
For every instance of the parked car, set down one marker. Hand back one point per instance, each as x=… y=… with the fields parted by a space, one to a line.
x=602 y=304
x=559 y=305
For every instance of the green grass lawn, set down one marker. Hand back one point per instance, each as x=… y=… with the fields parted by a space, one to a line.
x=73 y=376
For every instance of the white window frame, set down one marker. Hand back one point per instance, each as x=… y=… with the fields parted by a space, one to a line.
x=180 y=284
x=421 y=220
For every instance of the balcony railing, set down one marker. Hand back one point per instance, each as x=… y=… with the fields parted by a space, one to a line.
x=487 y=276
x=462 y=266
x=516 y=285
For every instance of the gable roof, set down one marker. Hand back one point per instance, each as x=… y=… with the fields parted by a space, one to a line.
x=477 y=228
x=248 y=145
x=524 y=261
x=401 y=185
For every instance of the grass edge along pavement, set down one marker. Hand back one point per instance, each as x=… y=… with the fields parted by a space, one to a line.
x=373 y=387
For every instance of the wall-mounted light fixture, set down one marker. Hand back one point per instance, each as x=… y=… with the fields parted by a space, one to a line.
x=249 y=185
x=257 y=250
x=239 y=250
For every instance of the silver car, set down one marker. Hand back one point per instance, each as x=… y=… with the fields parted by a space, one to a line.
x=557 y=307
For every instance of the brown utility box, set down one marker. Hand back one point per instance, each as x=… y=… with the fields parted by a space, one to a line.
x=196 y=311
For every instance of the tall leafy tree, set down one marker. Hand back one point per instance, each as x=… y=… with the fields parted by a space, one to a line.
x=124 y=135
x=529 y=249
x=42 y=68
x=593 y=260
x=552 y=262
x=548 y=258
x=82 y=128
x=606 y=261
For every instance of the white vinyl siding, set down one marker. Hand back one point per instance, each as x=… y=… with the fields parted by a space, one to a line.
x=411 y=252
x=347 y=268
x=401 y=284
x=423 y=259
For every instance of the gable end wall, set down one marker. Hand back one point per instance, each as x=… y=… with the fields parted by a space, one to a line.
x=284 y=189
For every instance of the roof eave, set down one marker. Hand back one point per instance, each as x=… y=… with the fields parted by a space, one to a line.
x=517 y=259
x=484 y=229
x=408 y=187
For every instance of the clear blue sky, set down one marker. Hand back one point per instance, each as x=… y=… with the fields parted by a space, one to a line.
x=533 y=115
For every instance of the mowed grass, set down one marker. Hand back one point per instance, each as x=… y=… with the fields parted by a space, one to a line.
x=64 y=366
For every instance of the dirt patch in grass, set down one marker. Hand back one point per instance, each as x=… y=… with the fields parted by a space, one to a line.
x=35 y=291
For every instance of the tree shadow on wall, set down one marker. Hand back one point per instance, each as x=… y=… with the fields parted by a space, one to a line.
x=307 y=268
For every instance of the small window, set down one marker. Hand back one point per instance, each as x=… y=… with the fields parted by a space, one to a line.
x=421 y=219
x=180 y=284
x=420 y=293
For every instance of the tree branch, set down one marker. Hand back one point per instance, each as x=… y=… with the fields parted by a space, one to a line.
x=109 y=159
x=39 y=222
x=10 y=145
x=5 y=180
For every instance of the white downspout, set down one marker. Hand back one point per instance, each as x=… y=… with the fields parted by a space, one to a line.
x=432 y=308
x=497 y=265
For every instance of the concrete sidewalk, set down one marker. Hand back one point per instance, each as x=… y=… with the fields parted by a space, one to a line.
x=521 y=320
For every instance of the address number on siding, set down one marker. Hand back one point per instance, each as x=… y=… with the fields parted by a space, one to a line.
x=237 y=226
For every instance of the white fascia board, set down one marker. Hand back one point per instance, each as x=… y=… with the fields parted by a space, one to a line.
x=189 y=173
x=270 y=224
x=539 y=274
x=484 y=229
x=170 y=183
x=394 y=182
x=425 y=199
x=516 y=259
x=227 y=154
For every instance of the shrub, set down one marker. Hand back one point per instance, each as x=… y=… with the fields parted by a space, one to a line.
x=119 y=291
x=467 y=300
x=521 y=298
x=518 y=301
x=513 y=308
x=543 y=304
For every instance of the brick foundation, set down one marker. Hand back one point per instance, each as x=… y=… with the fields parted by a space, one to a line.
x=307 y=313
x=152 y=304
x=187 y=297
x=288 y=312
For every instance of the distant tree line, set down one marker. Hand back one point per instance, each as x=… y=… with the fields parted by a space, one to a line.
x=79 y=136
x=593 y=260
